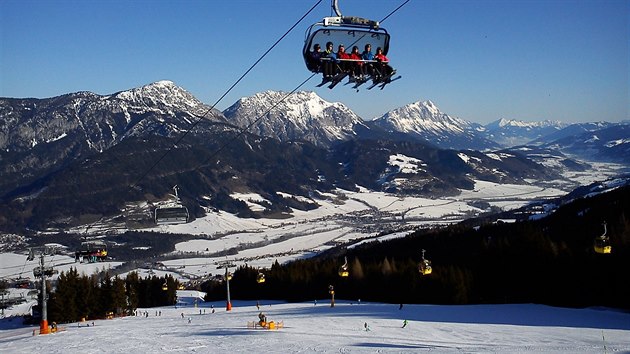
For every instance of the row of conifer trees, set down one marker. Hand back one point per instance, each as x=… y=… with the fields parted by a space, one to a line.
x=82 y=297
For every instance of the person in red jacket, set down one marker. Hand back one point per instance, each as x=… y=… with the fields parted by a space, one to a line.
x=342 y=58
x=356 y=64
x=383 y=66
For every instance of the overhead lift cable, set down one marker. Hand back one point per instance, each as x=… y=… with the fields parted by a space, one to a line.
x=201 y=117
x=262 y=115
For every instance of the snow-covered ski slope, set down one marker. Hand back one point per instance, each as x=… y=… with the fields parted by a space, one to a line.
x=310 y=328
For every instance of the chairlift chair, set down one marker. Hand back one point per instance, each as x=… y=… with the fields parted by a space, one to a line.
x=348 y=30
x=47 y=271
x=601 y=243
x=173 y=213
x=260 y=278
x=424 y=267
x=91 y=251
x=343 y=270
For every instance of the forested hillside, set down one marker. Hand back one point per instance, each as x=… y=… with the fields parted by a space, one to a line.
x=549 y=261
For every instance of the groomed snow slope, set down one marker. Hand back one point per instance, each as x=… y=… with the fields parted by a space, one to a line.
x=322 y=329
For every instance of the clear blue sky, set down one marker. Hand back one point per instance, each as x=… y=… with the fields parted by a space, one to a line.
x=478 y=60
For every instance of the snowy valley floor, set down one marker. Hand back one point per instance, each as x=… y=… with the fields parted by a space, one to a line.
x=322 y=329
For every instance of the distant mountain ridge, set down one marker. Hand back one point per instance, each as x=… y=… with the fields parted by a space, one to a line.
x=510 y=132
x=611 y=144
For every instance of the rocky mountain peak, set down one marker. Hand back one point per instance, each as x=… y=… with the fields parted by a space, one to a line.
x=159 y=94
x=301 y=115
x=420 y=117
x=424 y=120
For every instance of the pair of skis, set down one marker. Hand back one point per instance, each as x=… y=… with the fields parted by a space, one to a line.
x=383 y=81
x=333 y=81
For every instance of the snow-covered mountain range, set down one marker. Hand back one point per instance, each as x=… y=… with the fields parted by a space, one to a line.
x=269 y=143
x=100 y=121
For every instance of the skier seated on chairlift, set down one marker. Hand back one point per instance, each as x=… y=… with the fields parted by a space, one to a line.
x=356 y=65
x=329 y=59
x=314 y=58
x=344 y=65
x=382 y=69
x=367 y=55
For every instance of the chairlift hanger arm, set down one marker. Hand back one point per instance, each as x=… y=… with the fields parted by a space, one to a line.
x=335 y=7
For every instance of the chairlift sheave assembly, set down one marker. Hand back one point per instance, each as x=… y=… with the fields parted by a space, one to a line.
x=172 y=213
x=424 y=267
x=602 y=243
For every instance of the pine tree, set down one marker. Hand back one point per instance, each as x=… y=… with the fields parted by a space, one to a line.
x=118 y=296
x=357 y=269
x=386 y=267
x=106 y=294
x=132 y=284
x=65 y=304
x=85 y=297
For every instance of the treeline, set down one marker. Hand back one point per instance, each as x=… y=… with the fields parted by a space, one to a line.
x=79 y=297
x=548 y=261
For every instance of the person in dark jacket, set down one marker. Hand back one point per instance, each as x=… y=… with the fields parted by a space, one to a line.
x=369 y=56
x=314 y=59
x=329 y=59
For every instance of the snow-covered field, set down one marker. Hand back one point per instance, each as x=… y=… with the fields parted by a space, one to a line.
x=322 y=329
